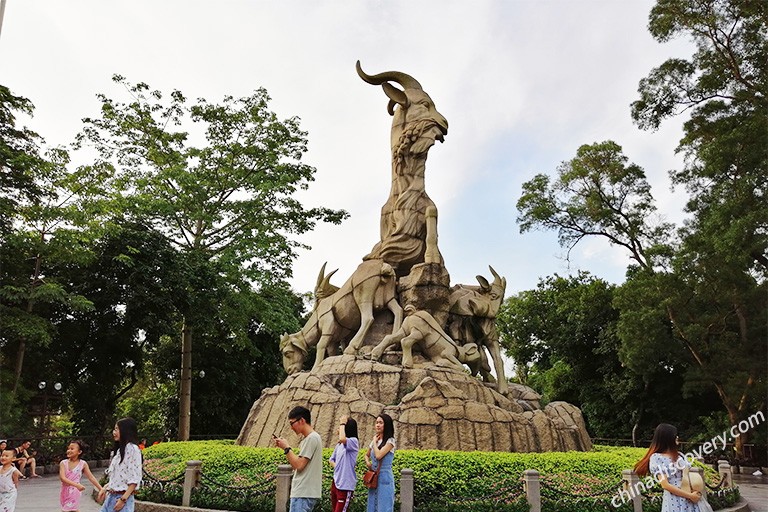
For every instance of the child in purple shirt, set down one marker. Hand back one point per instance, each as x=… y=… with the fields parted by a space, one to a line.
x=343 y=462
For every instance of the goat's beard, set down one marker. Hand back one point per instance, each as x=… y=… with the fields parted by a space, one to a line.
x=418 y=137
x=422 y=145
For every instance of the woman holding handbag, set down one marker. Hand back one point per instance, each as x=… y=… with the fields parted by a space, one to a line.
x=379 y=458
x=666 y=465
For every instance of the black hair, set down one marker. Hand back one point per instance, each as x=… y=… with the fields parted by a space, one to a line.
x=664 y=441
x=129 y=433
x=389 y=429
x=300 y=412
x=350 y=429
x=80 y=444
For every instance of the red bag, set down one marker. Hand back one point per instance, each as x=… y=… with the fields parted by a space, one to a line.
x=371 y=478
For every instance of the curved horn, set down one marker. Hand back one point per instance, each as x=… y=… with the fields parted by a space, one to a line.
x=321 y=275
x=395 y=95
x=407 y=81
x=391 y=107
x=327 y=280
x=495 y=275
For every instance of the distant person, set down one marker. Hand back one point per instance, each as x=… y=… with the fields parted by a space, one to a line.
x=3 y=445
x=124 y=469
x=71 y=471
x=665 y=463
x=24 y=459
x=307 y=484
x=343 y=462
x=381 y=452
x=9 y=480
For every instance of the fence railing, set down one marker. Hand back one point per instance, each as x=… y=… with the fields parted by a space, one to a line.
x=533 y=488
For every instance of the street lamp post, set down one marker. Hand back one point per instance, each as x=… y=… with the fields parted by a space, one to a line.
x=45 y=415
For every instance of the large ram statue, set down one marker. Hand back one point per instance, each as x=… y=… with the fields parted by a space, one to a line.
x=348 y=309
x=472 y=319
x=416 y=125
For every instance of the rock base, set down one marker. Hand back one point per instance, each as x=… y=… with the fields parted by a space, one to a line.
x=433 y=408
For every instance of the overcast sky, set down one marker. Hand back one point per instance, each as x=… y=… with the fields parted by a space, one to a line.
x=522 y=83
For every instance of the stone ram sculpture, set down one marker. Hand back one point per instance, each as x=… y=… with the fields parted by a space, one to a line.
x=416 y=125
x=420 y=328
x=350 y=308
x=472 y=319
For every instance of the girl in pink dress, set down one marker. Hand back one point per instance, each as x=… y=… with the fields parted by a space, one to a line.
x=71 y=471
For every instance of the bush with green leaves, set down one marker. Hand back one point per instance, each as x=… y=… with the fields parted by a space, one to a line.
x=243 y=478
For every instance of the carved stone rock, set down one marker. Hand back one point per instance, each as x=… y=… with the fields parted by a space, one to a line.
x=433 y=408
x=427 y=287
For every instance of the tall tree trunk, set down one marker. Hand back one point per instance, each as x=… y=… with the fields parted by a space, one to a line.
x=185 y=395
x=30 y=304
x=19 y=365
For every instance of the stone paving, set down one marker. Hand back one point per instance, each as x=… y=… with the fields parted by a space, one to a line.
x=754 y=489
x=42 y=494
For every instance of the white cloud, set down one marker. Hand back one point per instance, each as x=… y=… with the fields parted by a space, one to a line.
x=522 y=84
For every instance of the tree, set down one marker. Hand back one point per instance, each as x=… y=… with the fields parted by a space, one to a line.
x=228 y=201
x=563 y=338
x=236 y=368
x=596 y=194
x=48 y=222
x=676 y=305
x=133 y=282
x=724 y=87
x=20 y=158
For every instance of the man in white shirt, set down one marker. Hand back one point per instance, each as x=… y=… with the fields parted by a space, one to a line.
x=307 y=484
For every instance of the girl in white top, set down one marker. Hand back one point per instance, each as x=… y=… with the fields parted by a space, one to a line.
x=124 y=469
x=9 y=481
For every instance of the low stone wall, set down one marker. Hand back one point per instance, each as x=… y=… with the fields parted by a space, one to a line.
x=148 y=506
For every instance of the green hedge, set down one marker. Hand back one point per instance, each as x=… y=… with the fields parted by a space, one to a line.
x=444 y=481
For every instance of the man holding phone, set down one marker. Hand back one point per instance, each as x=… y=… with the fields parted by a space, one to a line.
x=307 y=484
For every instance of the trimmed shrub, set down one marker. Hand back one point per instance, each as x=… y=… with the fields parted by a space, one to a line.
x=242 y=478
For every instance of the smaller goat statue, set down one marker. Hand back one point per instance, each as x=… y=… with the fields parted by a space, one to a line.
x=472 y=319
x=421 y=329
x=339 y=311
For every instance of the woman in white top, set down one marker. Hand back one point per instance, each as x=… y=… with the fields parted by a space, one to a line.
x=124 y=469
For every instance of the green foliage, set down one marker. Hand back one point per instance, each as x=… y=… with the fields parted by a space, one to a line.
x=563 y=339
x=595 y=193
x=218 y=182
x=230 y=199
x=444 y=481
x=20 y=158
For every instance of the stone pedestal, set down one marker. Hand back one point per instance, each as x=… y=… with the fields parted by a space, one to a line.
x=433 y=408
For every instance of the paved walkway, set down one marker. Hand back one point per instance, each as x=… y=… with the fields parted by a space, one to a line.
x=754 y=489
x=42 y=494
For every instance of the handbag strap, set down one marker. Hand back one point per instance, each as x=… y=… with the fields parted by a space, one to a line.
x=687 y=474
